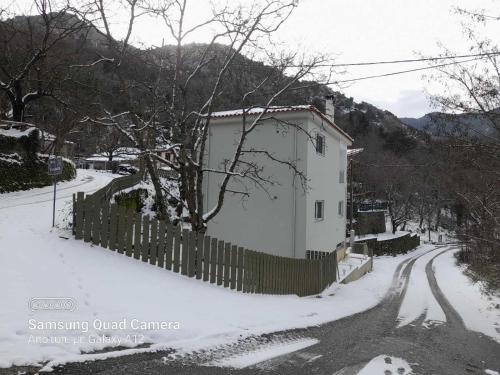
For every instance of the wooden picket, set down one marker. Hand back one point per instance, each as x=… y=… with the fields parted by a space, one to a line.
x=213 y=260
x=169 y=246
x=153 y=241
x=161 y=243
x=196 y=255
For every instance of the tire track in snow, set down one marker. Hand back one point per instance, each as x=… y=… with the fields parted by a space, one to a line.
x=50 y=191
x=452 y=316
x=23 y=198
x=419 y=304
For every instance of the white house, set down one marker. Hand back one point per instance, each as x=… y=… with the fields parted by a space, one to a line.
x=283 y=219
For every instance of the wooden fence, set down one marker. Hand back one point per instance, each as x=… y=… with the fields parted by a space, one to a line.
x=196 y=255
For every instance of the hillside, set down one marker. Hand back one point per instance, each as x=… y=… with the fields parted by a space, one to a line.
x=443 y=124
x=91 y=89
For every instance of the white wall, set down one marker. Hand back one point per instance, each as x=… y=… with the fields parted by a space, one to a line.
x=323 y=171
x=265 y=221
x=282 y=222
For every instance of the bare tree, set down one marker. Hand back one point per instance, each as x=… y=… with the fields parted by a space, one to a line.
x=471 y=91
x=32 y=61
x=179 y=113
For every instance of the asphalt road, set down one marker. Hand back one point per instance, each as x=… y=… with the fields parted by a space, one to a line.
x=344 y=346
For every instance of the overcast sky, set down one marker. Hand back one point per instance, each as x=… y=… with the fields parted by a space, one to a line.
x=365 y=30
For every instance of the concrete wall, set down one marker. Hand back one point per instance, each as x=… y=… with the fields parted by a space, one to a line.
x=370 y=222
x=358 y=272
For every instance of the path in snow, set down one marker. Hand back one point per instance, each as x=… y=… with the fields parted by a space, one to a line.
x=419 y=300
x=467 y=298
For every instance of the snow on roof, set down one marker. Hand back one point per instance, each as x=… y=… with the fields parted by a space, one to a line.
x=257 y=110
x=279 y=109
x=120 y=154
x=354 y=151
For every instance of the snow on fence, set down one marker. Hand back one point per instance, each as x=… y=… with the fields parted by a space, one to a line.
x=196 y=255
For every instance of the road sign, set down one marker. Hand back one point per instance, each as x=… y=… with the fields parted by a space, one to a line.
x=55 y=165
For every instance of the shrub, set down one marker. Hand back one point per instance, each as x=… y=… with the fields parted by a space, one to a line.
x=17 y=173
x=134 y=199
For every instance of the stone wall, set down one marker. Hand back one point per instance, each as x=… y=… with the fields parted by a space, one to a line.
x=394 y=246
x=370 y=222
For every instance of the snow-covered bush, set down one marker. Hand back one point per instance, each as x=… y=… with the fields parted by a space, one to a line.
x=18 y=173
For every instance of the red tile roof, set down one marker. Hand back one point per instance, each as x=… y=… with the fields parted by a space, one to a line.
x=279 y=109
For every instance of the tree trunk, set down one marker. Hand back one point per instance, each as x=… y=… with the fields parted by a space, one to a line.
x=394 y=226
x=17 y=111
x=438 y=219
x=161 y=208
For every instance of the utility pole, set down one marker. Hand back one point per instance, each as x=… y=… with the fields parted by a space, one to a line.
x=351 y=208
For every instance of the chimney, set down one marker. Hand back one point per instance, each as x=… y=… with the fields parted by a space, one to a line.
x=329 y=107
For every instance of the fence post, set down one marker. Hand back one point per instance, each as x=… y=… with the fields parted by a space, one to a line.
x=169 y=246
x=184 y=251
x=213 y=260
x=78 y=208
x=177 y=247
x=239 y=282
x=145 y=239
x=200 y=242
x=112 y=226
x=137 y=235
x=105 y=225
x=220 y=261
x=206 y=258
x=191 y=254
x=121 y=229
x=153 y=249
x=161 y=243
x=88 y=216
x=227 y=263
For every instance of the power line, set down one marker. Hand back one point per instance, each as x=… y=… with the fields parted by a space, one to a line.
x=404 y=71
x=485 y=54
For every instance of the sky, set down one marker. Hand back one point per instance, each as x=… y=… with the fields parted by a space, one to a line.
x=360 y=31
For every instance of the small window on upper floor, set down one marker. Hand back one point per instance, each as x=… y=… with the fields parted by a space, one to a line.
x=320 y=144
x=341 y=176
x=319 y=210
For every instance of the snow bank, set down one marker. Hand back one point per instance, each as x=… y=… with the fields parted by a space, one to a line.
x=479 y=311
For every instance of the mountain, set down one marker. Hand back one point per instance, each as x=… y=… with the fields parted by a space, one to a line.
x=477 y=125
x=371 y=127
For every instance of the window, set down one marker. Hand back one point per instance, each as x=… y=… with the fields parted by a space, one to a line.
x=320 y=144
x=342 y=162
x=341 y=208
x=319 y=210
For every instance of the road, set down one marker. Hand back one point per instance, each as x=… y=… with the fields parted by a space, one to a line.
x=342 y=347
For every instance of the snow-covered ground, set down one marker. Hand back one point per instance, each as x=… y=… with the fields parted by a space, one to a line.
x=263 y=353
x=110 y=288
x=479 y=311
x=419 y=299
x=384 y=364
x=350 y=263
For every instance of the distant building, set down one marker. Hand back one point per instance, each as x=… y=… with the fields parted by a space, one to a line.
x=129 y=156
